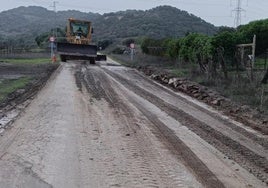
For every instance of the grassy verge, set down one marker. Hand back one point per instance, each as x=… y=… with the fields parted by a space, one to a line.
x=20 y=71
x=8 y=86
x=28 y=61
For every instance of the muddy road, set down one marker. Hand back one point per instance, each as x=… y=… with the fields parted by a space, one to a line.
x=106 y=125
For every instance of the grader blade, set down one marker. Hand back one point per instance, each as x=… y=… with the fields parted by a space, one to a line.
x=69 y=51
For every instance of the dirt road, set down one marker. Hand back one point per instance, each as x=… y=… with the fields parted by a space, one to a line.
x=109 y=126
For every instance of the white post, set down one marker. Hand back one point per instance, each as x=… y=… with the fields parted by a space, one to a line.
x=132 y=47
x=131 y=54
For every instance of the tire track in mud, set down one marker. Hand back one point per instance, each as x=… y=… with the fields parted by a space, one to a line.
x=254 y=163
x=141 y=158
x=139 y=169
x=184 y=154
x=260 y=140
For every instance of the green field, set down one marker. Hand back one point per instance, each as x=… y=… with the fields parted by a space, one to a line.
x=8 y=86
x=29 y=61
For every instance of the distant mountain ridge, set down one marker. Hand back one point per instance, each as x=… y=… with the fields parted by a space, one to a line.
x=36 y=20
x=159 y=22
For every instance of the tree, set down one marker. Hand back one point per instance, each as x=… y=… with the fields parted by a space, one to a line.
x=186 y=47
x=260 y=29
x=104 y=44
x=227 y=41
x=128 y=41
x=153 y=47
x=42 y=39
x=173 y=48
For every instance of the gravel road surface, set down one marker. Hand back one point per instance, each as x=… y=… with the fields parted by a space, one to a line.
x=106 y=125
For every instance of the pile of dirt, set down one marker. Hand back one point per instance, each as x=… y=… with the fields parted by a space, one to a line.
x=241 y=113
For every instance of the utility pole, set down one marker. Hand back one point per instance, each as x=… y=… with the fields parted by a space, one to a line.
x=54 y=37
x=238 y=11
x=54 y=6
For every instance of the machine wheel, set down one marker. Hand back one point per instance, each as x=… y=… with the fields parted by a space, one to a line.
x=63 y=58
x=92 y=61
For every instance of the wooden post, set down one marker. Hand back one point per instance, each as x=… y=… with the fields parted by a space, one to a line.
x=265 y=60
x=253 y=50
x=252 y=59
x=242 y=55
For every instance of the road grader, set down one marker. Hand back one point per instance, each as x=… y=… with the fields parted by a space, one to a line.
x=78 y=45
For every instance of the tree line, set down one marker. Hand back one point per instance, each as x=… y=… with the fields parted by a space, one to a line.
x=211 y=52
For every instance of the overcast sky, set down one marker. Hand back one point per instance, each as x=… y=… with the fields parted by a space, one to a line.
x=217 y=12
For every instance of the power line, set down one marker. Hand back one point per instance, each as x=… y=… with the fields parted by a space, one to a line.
x=54 y=6
x=238 y=13
x=54 y=30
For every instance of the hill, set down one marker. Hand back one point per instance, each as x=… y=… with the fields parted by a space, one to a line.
x=35 y=20
x=25 y=23
x=159 y=22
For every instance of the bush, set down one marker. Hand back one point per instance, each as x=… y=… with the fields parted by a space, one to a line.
x=118 y=50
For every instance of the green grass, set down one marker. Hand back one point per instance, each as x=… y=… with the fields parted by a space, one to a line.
x=30 y=61
x=260 y=63
x=180 y=72
x=9 y=86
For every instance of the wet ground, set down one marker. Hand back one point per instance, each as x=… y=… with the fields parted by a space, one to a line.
x=106 y=125
x=17 y=100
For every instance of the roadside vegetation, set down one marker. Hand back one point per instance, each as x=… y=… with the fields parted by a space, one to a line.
x=214 y=61
x=29 y=61
x=17 y=74
x=8 y=86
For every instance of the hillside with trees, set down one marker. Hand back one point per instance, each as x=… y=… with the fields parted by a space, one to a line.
x=20 y=26
x=159 y=22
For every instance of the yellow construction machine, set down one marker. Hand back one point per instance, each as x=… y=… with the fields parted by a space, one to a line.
x=78 y=43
